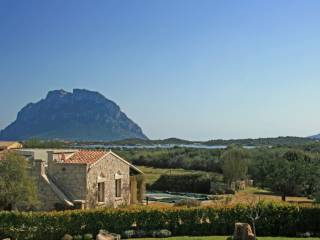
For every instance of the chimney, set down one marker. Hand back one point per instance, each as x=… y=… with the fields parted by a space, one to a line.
x=39 y=167
x=50 y=155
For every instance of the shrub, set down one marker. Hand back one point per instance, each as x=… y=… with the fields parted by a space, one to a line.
x=87 y=236
x=164 y=233
x=188 y=203
x=316 y=196
x=77 y=237
x=67 y=237
x=196 y=183
x=276 y=220
x=128 y=234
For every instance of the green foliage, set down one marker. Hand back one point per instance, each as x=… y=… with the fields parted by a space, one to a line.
x=235 y=164
x=278 y=141
x=186 y=158
x=293 y=170
x=197 y=183
x=37 y=143
x=276 y=220
x=17 y=188
x=67 y=237
x=290 y=172
x=188 y=203
x=316 y=196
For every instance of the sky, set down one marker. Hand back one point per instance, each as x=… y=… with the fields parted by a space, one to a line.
x=192 y=69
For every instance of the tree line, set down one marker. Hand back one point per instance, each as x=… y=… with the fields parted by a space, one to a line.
x=286 y=170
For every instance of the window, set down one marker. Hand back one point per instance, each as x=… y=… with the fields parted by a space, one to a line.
x=118 y=187
x=101 y=192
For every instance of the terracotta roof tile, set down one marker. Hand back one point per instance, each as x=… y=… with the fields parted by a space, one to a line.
x=85 y=157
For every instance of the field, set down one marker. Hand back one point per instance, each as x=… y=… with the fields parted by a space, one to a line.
x=224 y=238
x=254 y=194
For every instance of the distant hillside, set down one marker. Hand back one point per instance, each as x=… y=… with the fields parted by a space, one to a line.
x=136 y=141
x=82 y=115
x=315 y=137
x=279 y=141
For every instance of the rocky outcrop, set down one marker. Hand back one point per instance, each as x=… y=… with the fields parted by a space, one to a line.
x=243 y=231
x=81 y=115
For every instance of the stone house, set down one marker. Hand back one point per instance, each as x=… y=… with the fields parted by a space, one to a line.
x=84 y=179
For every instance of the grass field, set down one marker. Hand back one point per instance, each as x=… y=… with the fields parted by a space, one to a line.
x=253 y=194
x=224 y=238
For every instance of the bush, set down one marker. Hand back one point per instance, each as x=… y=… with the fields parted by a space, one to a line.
x=77 y=237
x=196 y=183
x=316 y=196
x=188 y=203
x=276 y=220
x=87 y=236
x=67 y=237
x=128 y=234
x=164 y=233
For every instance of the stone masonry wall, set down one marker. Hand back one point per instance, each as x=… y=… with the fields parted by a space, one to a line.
x=107 y=169
x=70 y=178
x=46 y=195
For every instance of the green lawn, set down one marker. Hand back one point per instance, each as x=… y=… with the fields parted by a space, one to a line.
x=224 y=238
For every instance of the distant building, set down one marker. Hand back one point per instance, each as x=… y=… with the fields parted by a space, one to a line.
x=6 y=146
x=9 y=145
x=82 y=178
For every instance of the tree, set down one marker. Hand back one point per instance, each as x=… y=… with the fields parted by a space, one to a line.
x=234 y=164
x=17 y=188
x=293 y=173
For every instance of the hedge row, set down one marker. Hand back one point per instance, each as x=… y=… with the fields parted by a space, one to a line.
x=276 y=220
x=196 y=183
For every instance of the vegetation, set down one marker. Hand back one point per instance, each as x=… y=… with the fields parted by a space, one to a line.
x=38 y=143
x=17 y=188
x=290 y=171
x=235 y=164
x=172 y=158
x=196 y=183
x=277 y=220
x=279 y=141
x=224 y=238
x=152 y=174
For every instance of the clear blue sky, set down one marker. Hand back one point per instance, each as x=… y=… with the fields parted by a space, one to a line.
x=179 y=68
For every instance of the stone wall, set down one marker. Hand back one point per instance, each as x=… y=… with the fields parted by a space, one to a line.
x=70 y=178
x=47 y=197
x=107 y=170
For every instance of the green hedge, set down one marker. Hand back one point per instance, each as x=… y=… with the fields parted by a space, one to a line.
x=277 y=220
x=196 y=183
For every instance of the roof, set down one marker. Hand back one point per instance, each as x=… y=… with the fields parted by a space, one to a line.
x=90 y=157
x=130 y=165
x=85 y=157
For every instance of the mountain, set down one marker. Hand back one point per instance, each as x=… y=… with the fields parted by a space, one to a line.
x=315 y=137
x=82 y=115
